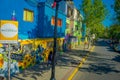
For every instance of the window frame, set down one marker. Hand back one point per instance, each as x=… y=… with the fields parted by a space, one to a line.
x=59 y=21
x=26 y=13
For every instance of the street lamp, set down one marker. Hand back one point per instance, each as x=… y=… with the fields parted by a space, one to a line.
x=56 y=3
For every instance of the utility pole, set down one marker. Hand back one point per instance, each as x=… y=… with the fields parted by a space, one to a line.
x=55 y=41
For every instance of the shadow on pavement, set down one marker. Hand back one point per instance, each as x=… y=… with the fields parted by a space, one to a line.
x=18 y=78
x=100 y=68
x=71 y=58
x=79 y=53
x=67 y=59
x=33 y=72
x=117 y=58
x=97 y=57
x=110 y=49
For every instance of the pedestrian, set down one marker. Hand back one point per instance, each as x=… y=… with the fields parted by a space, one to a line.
x=93 y=39
x=64 y=45
x=86 y=42
x=49 y=59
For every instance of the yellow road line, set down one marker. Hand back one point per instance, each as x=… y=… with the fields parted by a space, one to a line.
x=80 y=65
x=92 y=48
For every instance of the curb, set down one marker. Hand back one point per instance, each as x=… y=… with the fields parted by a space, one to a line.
x=81 y=63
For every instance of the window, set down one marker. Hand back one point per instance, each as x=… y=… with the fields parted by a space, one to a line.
x=59 y=22
x=28 y=15
x=53 y=21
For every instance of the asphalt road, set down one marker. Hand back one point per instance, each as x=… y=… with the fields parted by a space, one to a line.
x=102 y=64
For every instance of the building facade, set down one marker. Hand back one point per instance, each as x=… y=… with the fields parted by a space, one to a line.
x=35 y=30
x=74 y=25
x=35 y=18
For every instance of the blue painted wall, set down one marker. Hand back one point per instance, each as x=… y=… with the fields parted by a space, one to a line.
x=48 y=28
x=41 y=26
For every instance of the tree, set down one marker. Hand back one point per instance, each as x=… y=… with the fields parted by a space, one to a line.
x=106 y=32
x=117 y=10
x=114 y=31
x=94 y=13
x=99 y=11
x=86 y=8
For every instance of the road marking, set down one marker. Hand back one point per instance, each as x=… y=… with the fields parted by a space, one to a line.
x=67 y=74
x=81 y=63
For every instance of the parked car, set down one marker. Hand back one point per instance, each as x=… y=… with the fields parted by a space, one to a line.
x=117 y=47
x=109 y=41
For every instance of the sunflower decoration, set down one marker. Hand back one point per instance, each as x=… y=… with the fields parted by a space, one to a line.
x=20 y=63
x=33 y=62
x=28 y=61
x=1 y=60
x=26 y=57
x=24 y=64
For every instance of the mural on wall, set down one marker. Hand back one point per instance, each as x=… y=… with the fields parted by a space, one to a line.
x=24 y=56
x=21 y=58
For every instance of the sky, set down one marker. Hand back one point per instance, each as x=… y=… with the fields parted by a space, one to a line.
x=108 y=21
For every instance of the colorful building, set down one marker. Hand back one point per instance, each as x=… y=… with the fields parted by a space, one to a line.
x=77 y=26
x=36 y=19
x=36 y=27
x=74 y=25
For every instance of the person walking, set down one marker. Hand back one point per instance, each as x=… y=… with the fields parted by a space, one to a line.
x=49 y=59
x=93 y=39
x=86 y=44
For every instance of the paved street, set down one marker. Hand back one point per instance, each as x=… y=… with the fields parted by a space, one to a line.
x=102 y=64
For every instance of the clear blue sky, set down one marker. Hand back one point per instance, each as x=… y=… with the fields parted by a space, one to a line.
x=108 y=3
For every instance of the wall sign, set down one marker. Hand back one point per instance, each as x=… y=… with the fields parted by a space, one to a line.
x=8 y=31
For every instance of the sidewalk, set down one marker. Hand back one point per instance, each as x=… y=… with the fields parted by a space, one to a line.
x=66 y=63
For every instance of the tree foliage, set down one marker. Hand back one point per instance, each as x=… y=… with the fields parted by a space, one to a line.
x=94 y=13
x=117 y=10
x=114 y=31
